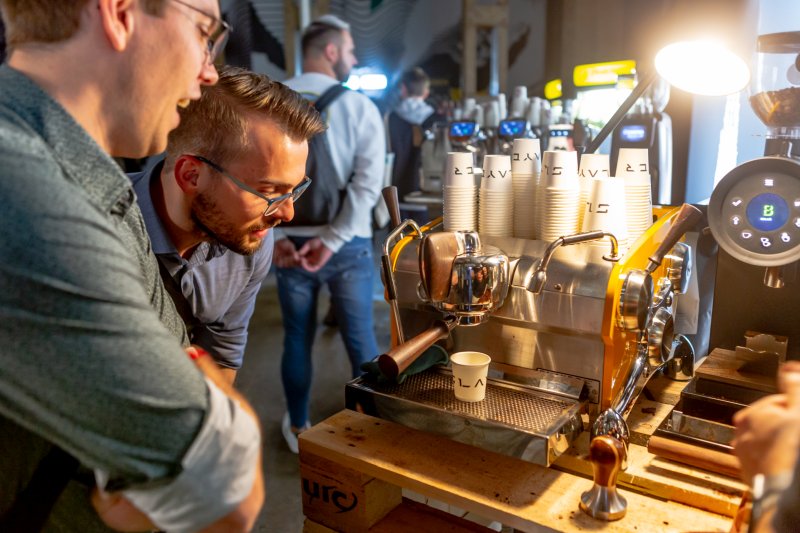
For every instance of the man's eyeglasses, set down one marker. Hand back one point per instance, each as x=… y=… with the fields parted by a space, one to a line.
x=273 y=204
x=216 y=37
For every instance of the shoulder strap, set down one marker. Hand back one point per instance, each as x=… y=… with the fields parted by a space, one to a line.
x=181 y=303
x=331 y=94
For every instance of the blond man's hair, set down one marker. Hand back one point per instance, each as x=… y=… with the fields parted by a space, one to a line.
x=215 y=126
x=50 y=21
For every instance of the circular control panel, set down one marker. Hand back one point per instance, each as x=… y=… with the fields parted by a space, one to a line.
x=754 y=212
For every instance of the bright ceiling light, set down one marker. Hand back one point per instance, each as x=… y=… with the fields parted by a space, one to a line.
x=373 y=82
x=702 y=67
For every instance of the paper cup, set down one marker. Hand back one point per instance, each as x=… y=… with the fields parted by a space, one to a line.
x=525 y=158
x=496 y=173
x=560 y=168
x=632 y=161
x=460 y=169
x=594 y=166
x=470 y=370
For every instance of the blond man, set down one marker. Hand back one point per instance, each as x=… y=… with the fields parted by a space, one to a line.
x=234 y=168
x=105 y=422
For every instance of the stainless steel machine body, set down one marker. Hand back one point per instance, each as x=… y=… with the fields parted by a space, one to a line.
x=558 y=330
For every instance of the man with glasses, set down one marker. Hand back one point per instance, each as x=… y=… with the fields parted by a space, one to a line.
x=209 y=216
x=107 y=417
x=338 y=253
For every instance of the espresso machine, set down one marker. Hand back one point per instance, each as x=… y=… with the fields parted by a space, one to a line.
x=570 y=328
x=468 y=136
x=510 y=129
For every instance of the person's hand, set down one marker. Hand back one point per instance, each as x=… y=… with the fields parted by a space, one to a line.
x=314 y=255
x=285 y=254
x=118 y=513
x=768 y=431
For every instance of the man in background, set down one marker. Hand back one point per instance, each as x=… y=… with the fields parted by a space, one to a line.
x=337 y=253
x=105 y=419
x=405 y=126
x=232 y=171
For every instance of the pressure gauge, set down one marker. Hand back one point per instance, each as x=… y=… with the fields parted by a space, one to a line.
x=754 y=212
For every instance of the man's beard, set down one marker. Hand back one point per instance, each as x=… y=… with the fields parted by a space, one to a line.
x=341 y=71
x=208 y=218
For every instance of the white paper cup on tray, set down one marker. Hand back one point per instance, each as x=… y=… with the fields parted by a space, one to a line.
x=460 y=169
x=470 y=370
x=496 y=173
x=525 y=158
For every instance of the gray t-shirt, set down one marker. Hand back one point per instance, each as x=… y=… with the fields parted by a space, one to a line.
x=219 y=286
x=90 y=343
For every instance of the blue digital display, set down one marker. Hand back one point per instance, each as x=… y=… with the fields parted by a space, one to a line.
x=560 y=133
x=512 y=128
x=767 y=212
x=462 y=129
x=633 y=133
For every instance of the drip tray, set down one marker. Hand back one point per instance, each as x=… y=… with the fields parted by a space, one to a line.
x=531 y=423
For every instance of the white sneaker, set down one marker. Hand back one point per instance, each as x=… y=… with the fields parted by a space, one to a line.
x=289 y=435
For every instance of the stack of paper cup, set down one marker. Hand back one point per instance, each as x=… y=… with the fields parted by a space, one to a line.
x=558 y=195
x=525 y=170
x=496 y=197
x=639 y=206
x=633 y=168
x=591 y=166
x=605 y=210
x=460 y=193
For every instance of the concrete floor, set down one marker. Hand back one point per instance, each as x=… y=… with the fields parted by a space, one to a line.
x=259 y=380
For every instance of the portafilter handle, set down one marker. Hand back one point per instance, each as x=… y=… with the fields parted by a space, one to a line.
x=390 y=196
x=603 y=501
x=687 y=217
x=400 y=357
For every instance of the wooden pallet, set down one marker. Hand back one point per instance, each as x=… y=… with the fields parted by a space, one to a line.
x=353 y=467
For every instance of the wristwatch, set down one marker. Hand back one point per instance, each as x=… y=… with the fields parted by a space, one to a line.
x=766 y=491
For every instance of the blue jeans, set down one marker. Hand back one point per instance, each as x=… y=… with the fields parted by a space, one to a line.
x=348 y=275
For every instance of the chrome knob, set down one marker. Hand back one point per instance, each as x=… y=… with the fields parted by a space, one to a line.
x=678 y=267
x=634 y=300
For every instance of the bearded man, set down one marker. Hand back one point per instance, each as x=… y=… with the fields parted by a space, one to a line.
x=232 y=171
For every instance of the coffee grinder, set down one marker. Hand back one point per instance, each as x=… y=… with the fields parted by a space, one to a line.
x=754 y=217
x=754 y=213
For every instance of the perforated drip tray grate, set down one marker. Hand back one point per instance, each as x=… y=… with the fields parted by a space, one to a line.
x=513 y=419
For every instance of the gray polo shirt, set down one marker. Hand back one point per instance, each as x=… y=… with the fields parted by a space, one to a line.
x=219 y=285
x=90 y=343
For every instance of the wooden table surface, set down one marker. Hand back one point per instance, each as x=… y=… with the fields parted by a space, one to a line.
x=516 y=493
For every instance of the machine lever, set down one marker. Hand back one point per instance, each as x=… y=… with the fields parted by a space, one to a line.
x=392 y=203
x=687 y=217
x=603 y=501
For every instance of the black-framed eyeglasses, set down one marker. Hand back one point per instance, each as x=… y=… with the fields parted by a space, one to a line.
x=216 y=37
x=273 y=204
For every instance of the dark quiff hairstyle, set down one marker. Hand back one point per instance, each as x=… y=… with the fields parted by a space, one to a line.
x=50 y=21
x=216 y=124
